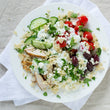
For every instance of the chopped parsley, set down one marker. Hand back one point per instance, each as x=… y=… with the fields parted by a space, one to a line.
x=25 y=77
x=74 y=15
x=41 y=71
x=79 y=71
x=98 y=52
x=47 y=15
x=64 y=61
x=67 y=28
x=45 y=94
x=63 y=79
x=87 y=80
x=93 y=78
x=84 y=29
x=56 y=34
x=98 y=29
x=52 y=30
x=65 y=17
x=31 y=66
x=58 y=96
x=19 y=50
x=57 y=75
x=38 y=61
x=58 y=8
x=62 y=9
x=72 y=43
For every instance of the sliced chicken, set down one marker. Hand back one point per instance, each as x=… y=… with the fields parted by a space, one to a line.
x=26 y=62
x=40 y=81
x=35 y=53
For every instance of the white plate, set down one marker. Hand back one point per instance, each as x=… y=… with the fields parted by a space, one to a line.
x=17 y=68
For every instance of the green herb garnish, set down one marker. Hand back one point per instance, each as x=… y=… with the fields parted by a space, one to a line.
x=74 y=15
x=57 y=75
x=63 y=79
x=52 y=29
x=87 y=80
x=47 y=15
x=58 y=8
x=64 y=62
x=41 y=71
x=19 y=50
x=25 y=77
x=98 y=29
x=79 y=71
x=31 y=66
x=62 y=9
x=67 y=28
x=65 y=17
x=38 y=61
x=45 y=93
x=84 y=29
x=98 y=52
x=72 y=43
x=93 y=78
x=56 y=34
x=58 y=96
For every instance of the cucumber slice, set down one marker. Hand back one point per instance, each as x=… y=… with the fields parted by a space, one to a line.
x=29 y=39
x=37 y=23
x=53 y=19
x=41 y=45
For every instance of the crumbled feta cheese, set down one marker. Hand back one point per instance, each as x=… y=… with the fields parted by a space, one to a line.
x=83 y=46
x=41 y=65
x=82 y=61
x=59 y=70
x=42 y=34
x=59 y=79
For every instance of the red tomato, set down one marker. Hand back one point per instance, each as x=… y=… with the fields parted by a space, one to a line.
x=76 y=30
x=92 y=47
x=82 y=20
x=62 y=44
x=61 y=36
x=88 y=35
x=69 y=23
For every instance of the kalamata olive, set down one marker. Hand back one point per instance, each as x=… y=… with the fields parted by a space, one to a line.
x=85 y=71
x=96 y=59
x=87 y=56
x=74 y=61
x=73 y=52
x=90 y=66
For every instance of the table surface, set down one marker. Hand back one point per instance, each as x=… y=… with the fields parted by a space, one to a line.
x=11 y=12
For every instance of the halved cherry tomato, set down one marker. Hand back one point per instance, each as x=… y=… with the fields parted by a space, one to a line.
x=82 y=20
x=88 y=35
x=61 y=36
x=92 y=47
x=62 y=45
x=76 y=28
x=69 y=24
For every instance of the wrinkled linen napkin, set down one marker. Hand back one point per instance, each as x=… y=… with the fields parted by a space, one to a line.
x=10 y=89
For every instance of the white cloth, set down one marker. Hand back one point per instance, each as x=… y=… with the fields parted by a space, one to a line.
x=10 y=89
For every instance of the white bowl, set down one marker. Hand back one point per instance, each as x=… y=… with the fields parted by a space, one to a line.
x=16 y=64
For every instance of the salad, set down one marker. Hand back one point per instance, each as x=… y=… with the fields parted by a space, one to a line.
x=60 y=52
